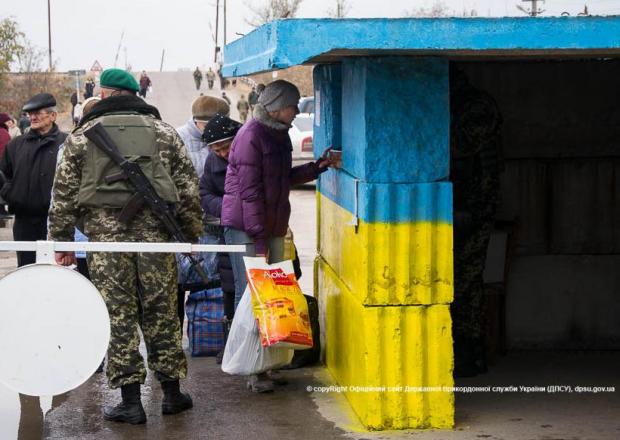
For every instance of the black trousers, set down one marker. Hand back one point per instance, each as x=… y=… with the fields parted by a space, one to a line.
x=29 y=229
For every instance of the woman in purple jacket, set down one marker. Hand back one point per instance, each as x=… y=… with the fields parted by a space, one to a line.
x=255 y=207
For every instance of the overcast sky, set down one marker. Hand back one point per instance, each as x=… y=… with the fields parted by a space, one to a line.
x=87 y=30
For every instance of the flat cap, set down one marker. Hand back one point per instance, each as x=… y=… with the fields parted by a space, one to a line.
x=220 y=128
x=37 y=102
x=205 y=107
x=118 y=79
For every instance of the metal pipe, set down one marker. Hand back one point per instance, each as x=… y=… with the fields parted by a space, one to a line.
x=93 y=246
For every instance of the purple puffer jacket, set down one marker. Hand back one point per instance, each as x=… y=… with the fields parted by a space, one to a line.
x=258 y=181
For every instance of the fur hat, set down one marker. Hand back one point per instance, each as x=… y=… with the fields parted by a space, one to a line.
x=278 y=95
x=205 y=107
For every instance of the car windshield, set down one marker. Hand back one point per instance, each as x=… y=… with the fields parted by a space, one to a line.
x=303 y=124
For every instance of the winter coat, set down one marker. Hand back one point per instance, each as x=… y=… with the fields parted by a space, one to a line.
x=5 y=138
x=259 y=178
x=212 y=185
x=196 y=148
x=145 y=82
x=29 y=163
x=211 y=193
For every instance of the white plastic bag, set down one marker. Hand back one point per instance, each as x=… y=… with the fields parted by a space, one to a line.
x=244 y=354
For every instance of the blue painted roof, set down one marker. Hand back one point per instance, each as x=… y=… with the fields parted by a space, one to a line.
x=286 y=43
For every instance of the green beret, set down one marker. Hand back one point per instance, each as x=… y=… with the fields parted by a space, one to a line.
x=118 y=79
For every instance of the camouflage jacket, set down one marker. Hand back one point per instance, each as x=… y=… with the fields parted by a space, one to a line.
x=100 y=224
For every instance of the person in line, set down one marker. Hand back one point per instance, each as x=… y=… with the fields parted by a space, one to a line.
x=139 y=288
x=29 y=164
x=13 y=128
x=203 y=109
x=145 y=83
x=255 y=206
x=77 y=113
x=218 y=135
x=197 y=78
x=24 y=123
x=243 y=106
x=5 y=135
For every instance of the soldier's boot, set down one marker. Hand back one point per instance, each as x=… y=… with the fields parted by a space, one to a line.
x=130 y=410
x=174 y=400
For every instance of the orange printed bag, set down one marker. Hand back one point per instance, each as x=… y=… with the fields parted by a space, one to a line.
x=280 y=308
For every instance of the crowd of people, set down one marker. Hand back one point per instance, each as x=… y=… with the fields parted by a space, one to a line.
x=229 y=182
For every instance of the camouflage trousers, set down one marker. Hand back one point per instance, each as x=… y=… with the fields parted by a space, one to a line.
x=468 y=308
x=140 y=290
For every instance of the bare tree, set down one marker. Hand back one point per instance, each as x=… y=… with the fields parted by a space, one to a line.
x=439 y=9
x=340 y=10
x=270 y=10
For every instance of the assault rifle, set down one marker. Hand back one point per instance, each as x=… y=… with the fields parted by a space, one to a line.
x=145 y=193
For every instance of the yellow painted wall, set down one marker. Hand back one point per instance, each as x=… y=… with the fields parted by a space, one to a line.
x=386 y=263
x=390 y=346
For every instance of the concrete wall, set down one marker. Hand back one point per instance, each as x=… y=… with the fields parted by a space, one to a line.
x=562 y=183
x=384 y=270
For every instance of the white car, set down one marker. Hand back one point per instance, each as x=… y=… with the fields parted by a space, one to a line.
x=301 y=137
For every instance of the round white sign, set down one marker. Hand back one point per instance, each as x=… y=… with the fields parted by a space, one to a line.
x=54 y=330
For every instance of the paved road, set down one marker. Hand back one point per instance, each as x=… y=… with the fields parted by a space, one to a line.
x=174 y=92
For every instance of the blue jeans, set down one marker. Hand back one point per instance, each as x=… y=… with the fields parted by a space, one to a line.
x=234 y=236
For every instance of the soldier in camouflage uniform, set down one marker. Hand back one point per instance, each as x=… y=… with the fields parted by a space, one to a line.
x=139 y=289
x=474 y=171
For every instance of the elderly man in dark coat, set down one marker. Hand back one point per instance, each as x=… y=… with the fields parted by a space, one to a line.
x=29 y=164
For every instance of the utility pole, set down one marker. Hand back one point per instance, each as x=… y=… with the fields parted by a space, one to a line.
x=534 y=11
x=120 y=43
x=49 y=33
x=161 y=66
x=224 y=23
x=217 y=22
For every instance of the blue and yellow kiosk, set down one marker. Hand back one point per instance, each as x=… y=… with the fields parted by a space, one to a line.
x=384 y=269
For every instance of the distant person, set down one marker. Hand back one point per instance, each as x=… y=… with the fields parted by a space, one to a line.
x=260 y=88
x=252 y=99
x=89 y=88
x=210 y=78
x=26 y=192
x=222 y=79
x=145 y=83
x=226 y=98
x=24 y=123
x=197 y=78
x=74 y=100
x=13 y=128
x=243 y=106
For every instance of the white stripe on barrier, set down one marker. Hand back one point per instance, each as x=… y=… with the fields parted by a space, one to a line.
x=63 y=246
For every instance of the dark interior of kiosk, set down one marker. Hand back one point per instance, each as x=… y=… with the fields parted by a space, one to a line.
x=552 y=272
